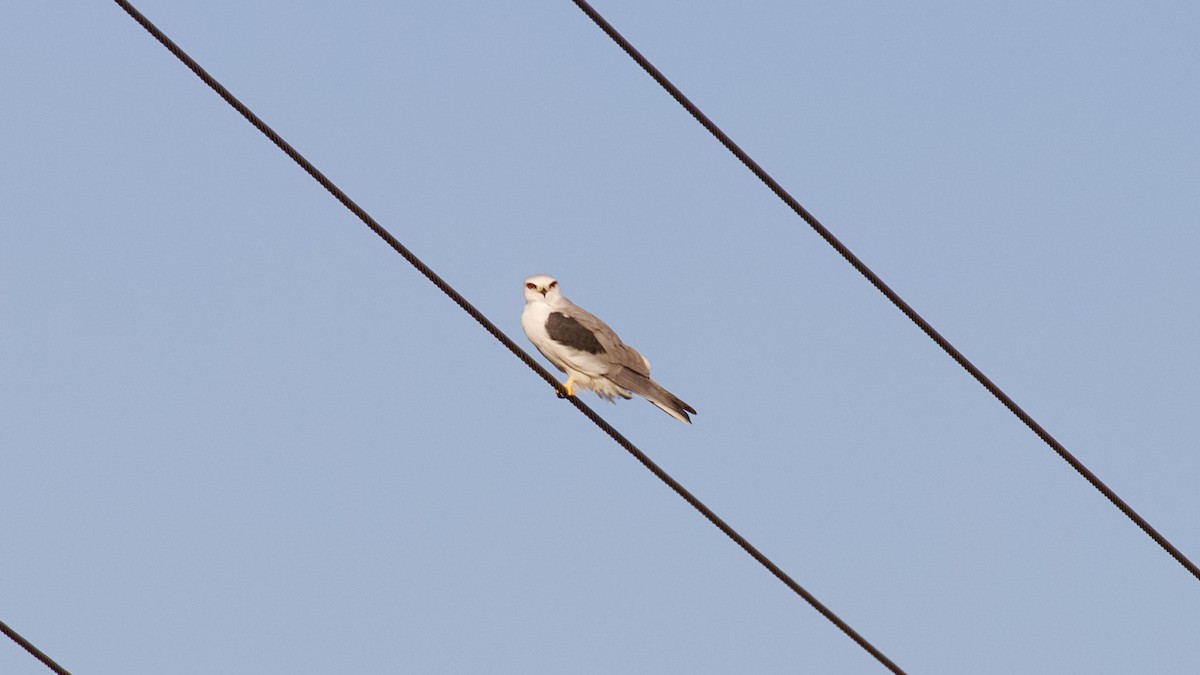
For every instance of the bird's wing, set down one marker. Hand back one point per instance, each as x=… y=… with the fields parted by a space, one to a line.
x=612 y=350
x=581 y=330
x=568 y=331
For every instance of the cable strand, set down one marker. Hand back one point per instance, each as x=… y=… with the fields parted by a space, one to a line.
x=491 y=328
x=28 y=646
x=886 y=290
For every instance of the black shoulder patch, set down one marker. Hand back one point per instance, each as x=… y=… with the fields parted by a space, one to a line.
x=570 y=333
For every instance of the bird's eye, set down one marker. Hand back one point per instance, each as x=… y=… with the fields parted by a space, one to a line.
x=553 y=284
x=530 y=286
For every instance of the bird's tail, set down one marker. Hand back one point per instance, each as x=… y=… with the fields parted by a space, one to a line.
x=652 y=391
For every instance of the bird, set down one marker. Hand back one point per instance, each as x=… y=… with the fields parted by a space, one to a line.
x=588 y=351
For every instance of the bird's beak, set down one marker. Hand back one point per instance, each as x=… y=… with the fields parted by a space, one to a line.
x=542 y=291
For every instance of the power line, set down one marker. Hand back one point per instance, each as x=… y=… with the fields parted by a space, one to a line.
x=878 y=283
x=499 y=335
x=28 y=646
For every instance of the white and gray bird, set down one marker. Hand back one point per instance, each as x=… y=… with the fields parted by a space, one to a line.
x=588 y=351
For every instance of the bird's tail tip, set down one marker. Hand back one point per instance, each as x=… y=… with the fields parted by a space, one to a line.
x=673 y=406
x=654 y=392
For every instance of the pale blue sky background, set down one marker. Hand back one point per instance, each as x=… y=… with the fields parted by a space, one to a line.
x=240 y=435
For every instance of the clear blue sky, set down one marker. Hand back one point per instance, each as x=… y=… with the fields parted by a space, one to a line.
x=240 y=435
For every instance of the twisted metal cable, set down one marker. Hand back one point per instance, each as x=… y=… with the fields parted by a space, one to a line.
x=879 y=284
x=28 y=646
x=499 y=335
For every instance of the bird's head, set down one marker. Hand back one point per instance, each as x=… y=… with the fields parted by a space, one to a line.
x=541 y=287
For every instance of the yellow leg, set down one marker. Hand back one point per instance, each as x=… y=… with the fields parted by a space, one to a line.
x=569 y=385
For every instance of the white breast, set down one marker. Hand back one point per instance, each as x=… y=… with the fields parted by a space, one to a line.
x=533 y=320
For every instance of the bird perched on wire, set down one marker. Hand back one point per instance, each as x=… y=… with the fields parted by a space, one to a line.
x=588 y=351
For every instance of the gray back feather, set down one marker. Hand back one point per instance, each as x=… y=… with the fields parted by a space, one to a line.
x=616 y=352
